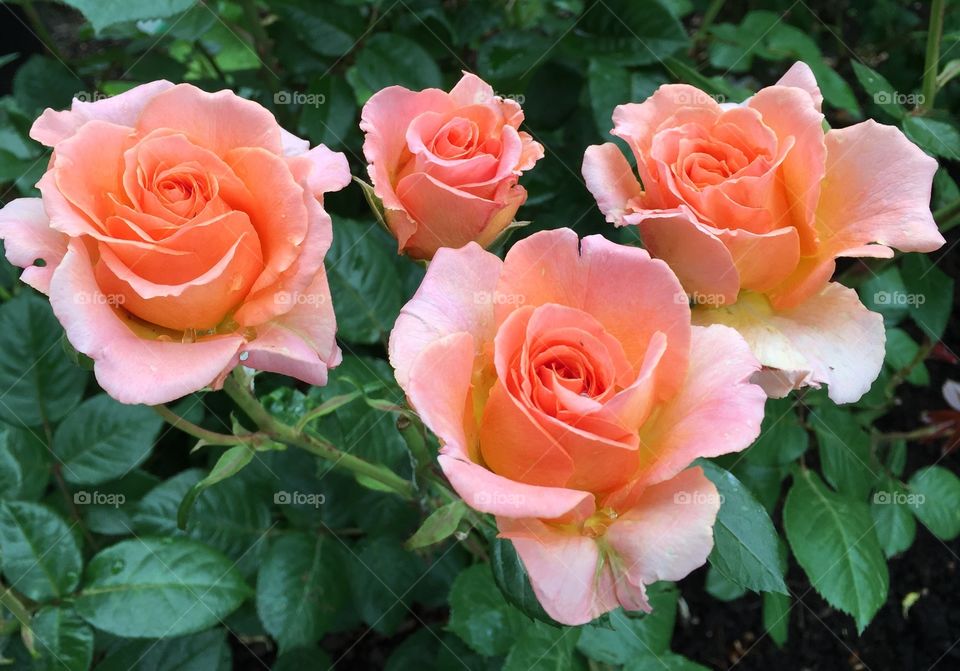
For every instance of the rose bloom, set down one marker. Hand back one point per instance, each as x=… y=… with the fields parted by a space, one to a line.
x=571 y=393
x=178 y=233
x=751 y=204
x=446 y=165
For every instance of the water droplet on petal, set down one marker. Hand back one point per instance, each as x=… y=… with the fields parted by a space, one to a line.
x=244 y=356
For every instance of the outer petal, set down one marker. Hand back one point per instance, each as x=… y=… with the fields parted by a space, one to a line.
x=829 y=339
x=27 y=237
x=130 y=368
x=123 y=109
x=791 y=114
x=455 y=296
x=717 y=411
x=300 y=343
x=611 y=180
x=693 y=251
x=801 y=76
x=321 y=169
x=877 y=189
x=201 y=117
x=762 y=260
x=571 y=581
x=602 y=279
x=668 y=533
x=384 y=120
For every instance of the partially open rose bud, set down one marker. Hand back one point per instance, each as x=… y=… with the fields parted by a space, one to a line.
x=446 y=165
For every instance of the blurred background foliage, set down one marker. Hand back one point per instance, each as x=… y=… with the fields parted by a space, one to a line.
x=332 y=582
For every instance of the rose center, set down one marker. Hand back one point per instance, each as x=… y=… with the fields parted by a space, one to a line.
x=457 y=139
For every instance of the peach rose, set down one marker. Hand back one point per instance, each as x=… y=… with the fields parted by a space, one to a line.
x=751 y=204
x=570 y=394
x=446 y=165
x=180 y=232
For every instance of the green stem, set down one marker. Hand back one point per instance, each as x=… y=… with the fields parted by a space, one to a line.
x=916 y=434
x=236 y=388
x=10 y=601
x=712 y=10
x=948 y=216
x=931 y=63
x=207 y=436
x=33 y=18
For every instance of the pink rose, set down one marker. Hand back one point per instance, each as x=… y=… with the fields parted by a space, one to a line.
x=751 y=204
x=180 y=232
x=446 y=165
x=570 y=394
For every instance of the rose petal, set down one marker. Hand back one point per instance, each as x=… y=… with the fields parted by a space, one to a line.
x=122 y=109
x=801 y=76
x=830 y=339
x=611 y=180
x=130 y=368
x=27 y=238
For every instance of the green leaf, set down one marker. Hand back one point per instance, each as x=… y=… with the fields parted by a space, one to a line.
x=929 y=294
x=934 y=136
x=441 y=524
x=746 y=544
x=901 y=351
x=886 y=293
x=937 y=502
x=327 y=28
x=480 y=616
x=834 y=541
x=63 y=640
x=364 y=280
x=231 y=462
x=300 y=589
x=104 y=440
x=206 y=651
x=896 y=527
x=39 y=381
x=782 y=439
x=950 y=70
x=665 y=661
x=721 y=588
x=880 y=90
x=33 y=461
x=41 y=559
x=381 y=575
x=511 y=577
x=844 y=451
x=387 y=59
x=632 y=635
x=158 y=588
x=11 y=477
x=776 y=616
x=541 y=647
x=628 y=33
x=104 y=13
x=330 y=121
